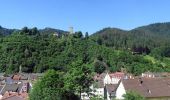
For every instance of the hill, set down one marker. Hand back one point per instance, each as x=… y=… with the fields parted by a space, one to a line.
x=48 y=30
x=157 y=29
x=145 y=37
x=112 y=49
x=45 y=31
x=5 y=31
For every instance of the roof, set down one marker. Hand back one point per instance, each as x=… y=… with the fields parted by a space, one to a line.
x=15 y=87
x=1 y=87
x=9 y=95
x=111 y=87
x=8 y=80
x=117 y=75
x=16 y=77
x=154 y=87
x=99 y=77
x=13 y=98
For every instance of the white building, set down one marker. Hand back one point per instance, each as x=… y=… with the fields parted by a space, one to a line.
x=113 y=78
x=120 y=91
x=97 y=91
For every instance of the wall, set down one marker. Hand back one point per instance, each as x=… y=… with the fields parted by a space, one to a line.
x=120 y=91
x=107 y=79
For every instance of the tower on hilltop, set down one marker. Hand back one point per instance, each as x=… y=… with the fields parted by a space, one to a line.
x=20 y=69
x=71 y=30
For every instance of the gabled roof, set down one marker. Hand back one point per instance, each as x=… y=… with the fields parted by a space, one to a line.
x=117 y=74
x=16 y=77
x=13 y=98
x=111 y=88
x=154 y=87
x=15 y=87
x=99 y=77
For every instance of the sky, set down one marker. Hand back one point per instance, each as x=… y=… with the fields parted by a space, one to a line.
x=84 y=15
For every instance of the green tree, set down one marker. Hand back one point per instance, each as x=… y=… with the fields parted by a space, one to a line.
x=78 y=34
x=131 y=95
x=99 y=67
x=79 y=78
x=49 y=87
x=86 y=35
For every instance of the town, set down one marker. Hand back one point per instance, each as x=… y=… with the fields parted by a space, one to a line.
x=84 y=50
x=113 y=86
x=106 y=86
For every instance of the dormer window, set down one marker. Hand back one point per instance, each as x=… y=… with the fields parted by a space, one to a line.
x=149 y=91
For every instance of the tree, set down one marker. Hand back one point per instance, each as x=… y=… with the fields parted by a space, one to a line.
x=99 y=67
x=34 y=31
x=99 y=41
x=25 y=30
x=50 y=87
x=78 y=34
x=79 y=78
x=131 y=95
x=86 y=35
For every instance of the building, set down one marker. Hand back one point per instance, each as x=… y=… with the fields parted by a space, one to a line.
x=110 y=91
x=104 y=86
x=71 y=31
x=150 y=88
x=113 y=78
x=148 y=75
x=17 y=85
x=97 y=88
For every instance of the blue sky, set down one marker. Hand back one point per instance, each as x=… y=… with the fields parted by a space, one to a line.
x=83 y=15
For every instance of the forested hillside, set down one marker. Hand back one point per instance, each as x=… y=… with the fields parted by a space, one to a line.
x=5 y=31
x=141 y=49
x=140 y=40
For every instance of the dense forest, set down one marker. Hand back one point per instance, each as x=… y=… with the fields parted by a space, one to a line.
x=145 y=48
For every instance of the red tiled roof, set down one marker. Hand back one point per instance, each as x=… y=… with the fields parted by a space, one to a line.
x=8 y=95
x=14 y=97
x=117 y=75
x=16 y=77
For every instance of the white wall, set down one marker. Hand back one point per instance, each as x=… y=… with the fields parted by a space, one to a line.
x=99 y=92
x=108 y=96
x=120 y=91
x=107 y=79
x=115 y=80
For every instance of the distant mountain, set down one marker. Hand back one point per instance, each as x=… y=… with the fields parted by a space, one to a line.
x=5 y=31
x=48 y=30
x=45 y=31
x=157 y=28
x=150 y=36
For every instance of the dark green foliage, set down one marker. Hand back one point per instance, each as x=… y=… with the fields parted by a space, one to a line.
x=5 y=31
x=140 y=40
x=78 y=34
x=99 y=67
x=51 y=87
x=86 y=35
x=39 y=50
x=131 y=95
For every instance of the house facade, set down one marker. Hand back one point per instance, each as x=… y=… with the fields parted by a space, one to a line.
x=113 y=78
